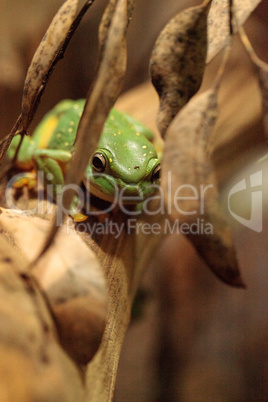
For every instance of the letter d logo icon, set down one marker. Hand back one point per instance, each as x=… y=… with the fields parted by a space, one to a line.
x=255 y=221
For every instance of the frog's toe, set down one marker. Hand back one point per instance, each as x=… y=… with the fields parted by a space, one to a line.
x=78 y=216
x=26 y=180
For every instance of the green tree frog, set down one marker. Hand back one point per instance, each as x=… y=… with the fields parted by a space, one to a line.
x=124 y=163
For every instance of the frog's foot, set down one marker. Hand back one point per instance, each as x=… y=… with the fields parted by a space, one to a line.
x=25 y=180
x=78 y=216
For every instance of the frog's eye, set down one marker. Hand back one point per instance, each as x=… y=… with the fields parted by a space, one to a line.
x=99 y=162
x=156 y=173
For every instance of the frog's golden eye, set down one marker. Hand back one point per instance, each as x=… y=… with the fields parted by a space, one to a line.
x=99 y=162
x=156 y=173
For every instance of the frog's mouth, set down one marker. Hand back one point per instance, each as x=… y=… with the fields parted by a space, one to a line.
x=127 y=194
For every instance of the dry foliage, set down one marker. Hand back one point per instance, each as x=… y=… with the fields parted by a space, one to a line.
x=77 y=298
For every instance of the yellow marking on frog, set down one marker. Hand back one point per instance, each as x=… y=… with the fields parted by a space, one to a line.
x=138 y=134
x=71 y=122
x=48 y=130
x=119 y=132
x=76 y=106
x=58 y=136
x=110 y=160
x=114 y=134
x=66 y=144
x=144 y=154
x=70 y=130
x=144 y=146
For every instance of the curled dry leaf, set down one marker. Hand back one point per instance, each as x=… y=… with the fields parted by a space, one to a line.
x=105 y=25
x=178 y=61
x=71 y=277
x=107 y=18
x=219 y=23
x=190 y=186
x=76 y=291
x=44 y=56
x=28 y=341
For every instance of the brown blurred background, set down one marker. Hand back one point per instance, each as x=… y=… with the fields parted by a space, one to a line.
x=197 y=339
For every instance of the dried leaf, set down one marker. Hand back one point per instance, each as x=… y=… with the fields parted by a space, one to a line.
x=190 y=186
x=219 y=23
x=178 y=61
x=44 y=56
x=106 y=22
x=71 y=277
x=262 y=71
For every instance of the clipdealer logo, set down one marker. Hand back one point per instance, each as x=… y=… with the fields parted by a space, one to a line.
x=255 y=220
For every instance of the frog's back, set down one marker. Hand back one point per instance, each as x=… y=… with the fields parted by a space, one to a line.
x=59 y=126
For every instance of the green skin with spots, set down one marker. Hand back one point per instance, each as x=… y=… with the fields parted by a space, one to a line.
x=131 y=163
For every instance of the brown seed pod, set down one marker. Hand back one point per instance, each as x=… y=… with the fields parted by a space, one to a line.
x=178 y=61
x=219 y=22
x=190 y=185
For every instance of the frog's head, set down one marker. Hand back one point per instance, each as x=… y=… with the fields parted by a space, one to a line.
x=124 y=167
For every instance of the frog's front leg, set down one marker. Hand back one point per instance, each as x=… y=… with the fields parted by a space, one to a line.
x=50 y=162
